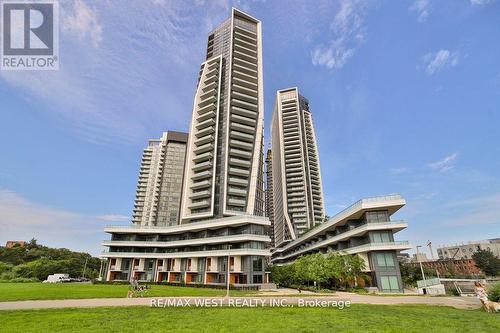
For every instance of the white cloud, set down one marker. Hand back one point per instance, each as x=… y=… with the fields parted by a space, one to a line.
x=83 y=22
x=21 y=218
x=445 y=164
x=114 y=218
x=421 y=7
x=483 y=210
x=348 y=33
x=481 y=2
x=440 y=60
x=138 y=80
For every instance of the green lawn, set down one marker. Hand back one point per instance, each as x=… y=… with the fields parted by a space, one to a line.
x=358 y=318
x=37 y=291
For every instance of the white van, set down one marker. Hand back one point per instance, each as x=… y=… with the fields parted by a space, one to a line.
x=56 y=278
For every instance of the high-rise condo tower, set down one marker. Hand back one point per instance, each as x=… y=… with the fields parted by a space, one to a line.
x=297 y=188
x=222 y=234
x=224 y=162
x=160 y=181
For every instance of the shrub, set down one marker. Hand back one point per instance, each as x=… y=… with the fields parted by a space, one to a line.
x=23 y=280
x=5 y=267
x=494 y=292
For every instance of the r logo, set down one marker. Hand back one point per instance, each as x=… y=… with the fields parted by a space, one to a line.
x=29 y=34
x=28 y=29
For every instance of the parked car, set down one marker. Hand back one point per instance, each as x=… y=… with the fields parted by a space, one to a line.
x=57 y=278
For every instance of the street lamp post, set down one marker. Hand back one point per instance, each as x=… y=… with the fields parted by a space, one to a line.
x=228 y=269
x=421 y=267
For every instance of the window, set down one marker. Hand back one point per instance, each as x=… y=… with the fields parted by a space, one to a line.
x=389 y=283
x=257 y=279
x=381 y=237
x=257 y=264
x=379 y=216
x=385 y=259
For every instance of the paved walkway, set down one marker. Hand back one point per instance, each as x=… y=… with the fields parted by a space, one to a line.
x=456 y=302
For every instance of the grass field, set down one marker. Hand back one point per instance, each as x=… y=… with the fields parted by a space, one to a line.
x=358 y=318
x=38 y=291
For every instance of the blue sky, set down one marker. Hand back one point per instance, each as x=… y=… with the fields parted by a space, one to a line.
x=405 y=97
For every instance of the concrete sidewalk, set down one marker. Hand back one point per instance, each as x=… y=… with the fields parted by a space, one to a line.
x=456 y=302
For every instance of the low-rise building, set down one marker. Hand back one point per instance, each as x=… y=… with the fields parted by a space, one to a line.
x=196 y=252
x=365 y=229
x=465 y=251
x=10 y=244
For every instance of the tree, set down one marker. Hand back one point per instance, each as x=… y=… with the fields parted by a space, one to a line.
x=332 y=269
x=410 y=274
x=38 y=261
x=487 y=262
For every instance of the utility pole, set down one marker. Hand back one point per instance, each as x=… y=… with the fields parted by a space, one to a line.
x=85 y=267
x=421 y=267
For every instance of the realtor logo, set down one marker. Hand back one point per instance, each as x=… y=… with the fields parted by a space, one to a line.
x=30 y=35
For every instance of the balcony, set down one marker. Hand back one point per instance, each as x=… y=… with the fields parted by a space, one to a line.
x=210 y=86
x=245 y=90
x=237 y=191
x=240 y=153
x=201 y=184
x=204 y=124
x=202 y=166
x=243 y=112
x=250 y=45
x=204 y=148
x=245 y=34
x=242 y=128
x=203 y=157
x=236 y=202
x=241 y=136
x=245 y=69
x=207 y=115
x=200 y=204
x=202 y=175
x=241 y=144
x=244 y=63
x=238 y=181
x=244 y=83
x=242 y=48
x=322 y=243
x=246 y=77
x=204 y=132
x=204 y=139
x=206 y=108
x=245 y=97
x=239 y=162
x=239 y=172
x=207 y=101
x=200 y=194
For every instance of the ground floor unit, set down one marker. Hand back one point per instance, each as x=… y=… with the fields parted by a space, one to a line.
x=244 y=270
x=192 y=253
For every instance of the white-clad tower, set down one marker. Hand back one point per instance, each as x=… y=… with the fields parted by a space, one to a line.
x=224 y=161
